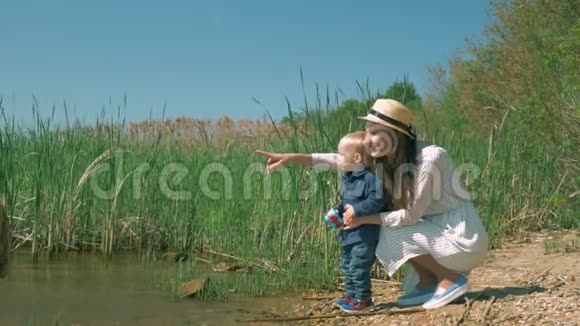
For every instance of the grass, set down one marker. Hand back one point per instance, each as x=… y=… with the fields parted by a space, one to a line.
x=562 y=245
x=255 y=283
x=106 y=190
x=517 y=185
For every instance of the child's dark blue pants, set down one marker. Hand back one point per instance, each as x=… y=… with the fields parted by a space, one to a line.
x=356 y=262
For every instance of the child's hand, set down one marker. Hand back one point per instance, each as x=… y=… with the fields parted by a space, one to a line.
x=348 y=214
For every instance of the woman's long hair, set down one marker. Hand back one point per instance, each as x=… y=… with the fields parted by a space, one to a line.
x=398 y=171
x=5 y=242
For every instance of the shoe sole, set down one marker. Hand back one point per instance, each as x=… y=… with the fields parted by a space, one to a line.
x=356 y=311
x=454 y=295
x=414 y=301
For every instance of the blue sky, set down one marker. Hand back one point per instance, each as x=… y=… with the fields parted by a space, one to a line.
x=206 y=59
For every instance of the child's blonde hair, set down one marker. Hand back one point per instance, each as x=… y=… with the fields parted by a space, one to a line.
x=357 y=139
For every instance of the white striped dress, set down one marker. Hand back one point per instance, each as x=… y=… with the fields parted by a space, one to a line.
x=441 y=222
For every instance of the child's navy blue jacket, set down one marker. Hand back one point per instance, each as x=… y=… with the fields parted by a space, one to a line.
x=364 y=191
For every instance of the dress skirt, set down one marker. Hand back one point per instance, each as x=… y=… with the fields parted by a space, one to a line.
x=457 y=239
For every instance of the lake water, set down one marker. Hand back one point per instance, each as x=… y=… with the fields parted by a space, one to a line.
x=88 y=290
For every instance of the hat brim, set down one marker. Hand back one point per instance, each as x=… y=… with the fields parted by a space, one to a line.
x=375 y=119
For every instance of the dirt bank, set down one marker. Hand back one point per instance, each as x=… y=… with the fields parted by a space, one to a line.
x=518 y=285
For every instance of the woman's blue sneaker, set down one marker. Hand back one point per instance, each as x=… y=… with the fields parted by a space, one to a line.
x=416 y=297
x=443 y=297
x=346 y=299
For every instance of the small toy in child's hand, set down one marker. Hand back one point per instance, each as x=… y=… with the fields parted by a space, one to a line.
x=334 y=216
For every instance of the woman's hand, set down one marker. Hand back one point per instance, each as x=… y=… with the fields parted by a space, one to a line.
x=352 y=221
x=349 y=217
x=275 y=160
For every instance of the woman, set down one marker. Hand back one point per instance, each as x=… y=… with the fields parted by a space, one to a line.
x=432 y=223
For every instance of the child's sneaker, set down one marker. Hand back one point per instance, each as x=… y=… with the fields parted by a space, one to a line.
x=357 y=306
x=346 y=299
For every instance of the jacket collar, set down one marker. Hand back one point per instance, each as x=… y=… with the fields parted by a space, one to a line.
x=355 y=174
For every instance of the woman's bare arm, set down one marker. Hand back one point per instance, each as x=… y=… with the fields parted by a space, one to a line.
x=370 y=219
x=276 y=160
x=356 y=221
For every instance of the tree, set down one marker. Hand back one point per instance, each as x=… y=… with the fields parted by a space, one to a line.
x=404 y=91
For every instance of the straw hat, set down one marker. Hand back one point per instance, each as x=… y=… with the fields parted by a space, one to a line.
x=392 y=114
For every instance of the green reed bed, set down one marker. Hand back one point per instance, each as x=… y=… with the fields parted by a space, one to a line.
x=518 y=183
x=71 y=191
